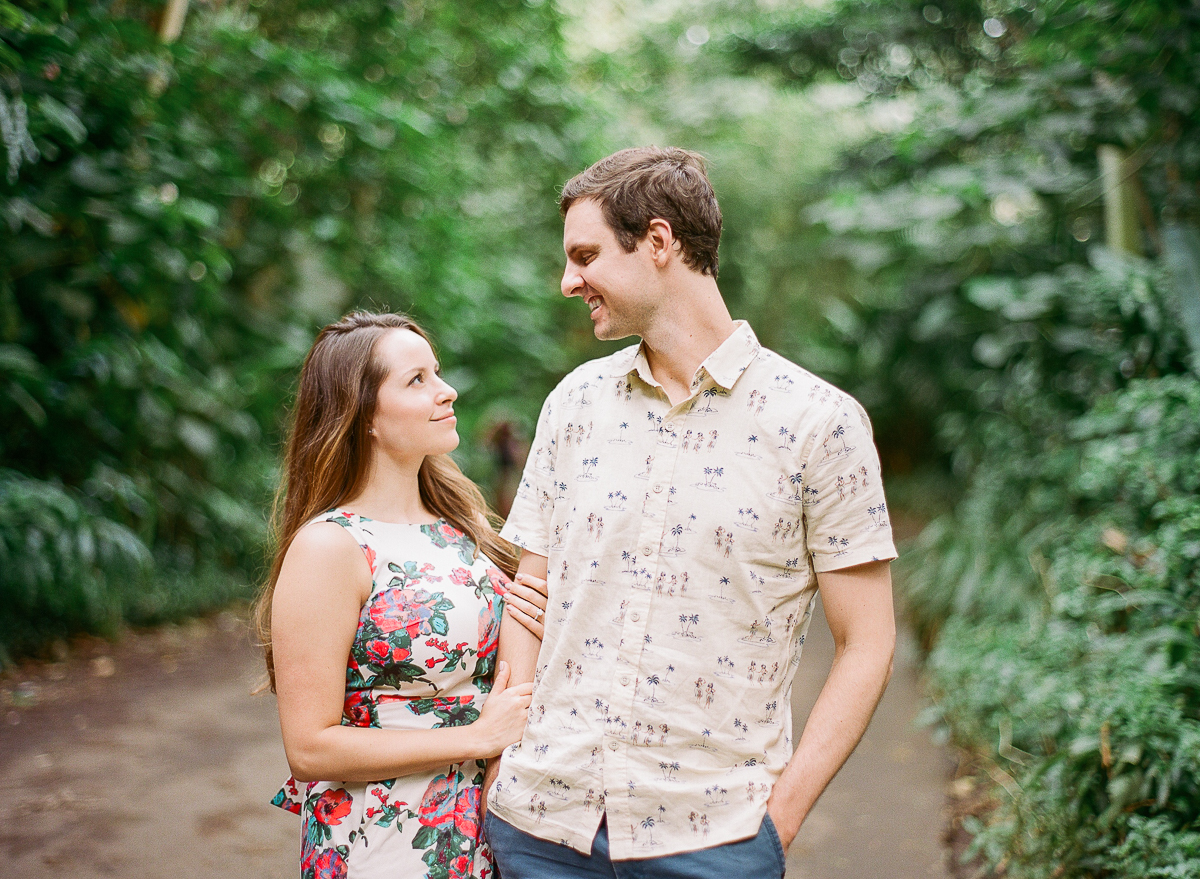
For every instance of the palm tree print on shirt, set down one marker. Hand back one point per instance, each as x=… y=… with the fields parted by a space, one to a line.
x=720 y=595
x=705 y=735
x=747 y=519
x=835 y=443
x=686 y=622
x=789 y=488
x=708 y=395
x=751 y=442
x=677 y=533
x=725 y=667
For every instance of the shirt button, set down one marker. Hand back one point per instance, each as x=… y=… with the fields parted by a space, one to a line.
x=670 y=425
x=658 y=488
x=624 y=680
x=646 y=550
x=613 y=745
x=635 y=616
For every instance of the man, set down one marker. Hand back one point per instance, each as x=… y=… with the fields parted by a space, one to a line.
x=684 y=498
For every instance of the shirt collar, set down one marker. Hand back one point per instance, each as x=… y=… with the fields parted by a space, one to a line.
x=725 y=365
x=732 y=356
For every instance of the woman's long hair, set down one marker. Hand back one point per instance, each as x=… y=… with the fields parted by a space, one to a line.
x=328 y=452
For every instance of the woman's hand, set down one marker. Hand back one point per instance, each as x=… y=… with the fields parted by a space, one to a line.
x=526 y=603
x=502 y=720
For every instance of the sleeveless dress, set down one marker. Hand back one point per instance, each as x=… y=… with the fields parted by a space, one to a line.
x=422 y=658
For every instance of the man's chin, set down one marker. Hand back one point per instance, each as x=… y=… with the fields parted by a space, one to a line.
x=606 y=333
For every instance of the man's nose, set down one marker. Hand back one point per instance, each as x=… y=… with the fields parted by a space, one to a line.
x=572 y=283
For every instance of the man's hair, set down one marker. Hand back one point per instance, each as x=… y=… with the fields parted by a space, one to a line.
x=637 y=185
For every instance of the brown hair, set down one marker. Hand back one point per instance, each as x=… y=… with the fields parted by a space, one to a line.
x=329 y=451
x=640 y=184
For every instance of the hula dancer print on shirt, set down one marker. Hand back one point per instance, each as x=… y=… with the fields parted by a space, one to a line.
x=682 y=544
x=422 y=658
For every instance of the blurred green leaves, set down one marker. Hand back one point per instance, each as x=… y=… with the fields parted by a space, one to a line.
x=1060 y=599
x=179 y=220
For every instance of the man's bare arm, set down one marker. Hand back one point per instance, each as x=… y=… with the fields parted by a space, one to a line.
x=858 y=607
x=519 y=648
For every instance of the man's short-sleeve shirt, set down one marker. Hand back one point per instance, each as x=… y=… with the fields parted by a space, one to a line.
x=682 y=544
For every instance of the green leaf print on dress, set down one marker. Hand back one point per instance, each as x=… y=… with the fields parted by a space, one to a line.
x=452 y=711
x=444 y=534
x=449 y=815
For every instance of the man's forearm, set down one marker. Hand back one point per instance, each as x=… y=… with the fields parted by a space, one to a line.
x=838 y=720
x=858 y=608
x=519 y=648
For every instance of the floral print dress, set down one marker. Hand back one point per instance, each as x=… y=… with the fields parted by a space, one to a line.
x=422 y=658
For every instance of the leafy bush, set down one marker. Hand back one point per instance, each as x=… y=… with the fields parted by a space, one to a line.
x=1086 y=689
x=1045 y=350
x=1060 y=599
x=179 y=221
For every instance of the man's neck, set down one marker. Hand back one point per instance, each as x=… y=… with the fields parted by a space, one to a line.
x=683 y=334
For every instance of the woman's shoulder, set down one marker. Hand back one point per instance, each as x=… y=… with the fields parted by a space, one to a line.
x=325 y=537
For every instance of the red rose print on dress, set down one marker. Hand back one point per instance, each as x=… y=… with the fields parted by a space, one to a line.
x=330 y=865
x=437 y=806
x=466 y=811
x=332 y=806
x=498 y=580
x=432 y=603
x=370 y=554
x=489 y=630
x=460 y=868
x=359 y=708
x=395 y=609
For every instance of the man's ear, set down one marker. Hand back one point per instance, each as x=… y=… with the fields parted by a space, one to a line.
x=662 y=241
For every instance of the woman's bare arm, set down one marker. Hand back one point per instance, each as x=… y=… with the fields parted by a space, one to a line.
x=322 y=587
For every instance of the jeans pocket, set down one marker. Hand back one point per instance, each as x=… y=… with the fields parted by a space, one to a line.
x=778 y=843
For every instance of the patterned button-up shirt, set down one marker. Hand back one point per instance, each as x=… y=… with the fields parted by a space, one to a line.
x=683 y=544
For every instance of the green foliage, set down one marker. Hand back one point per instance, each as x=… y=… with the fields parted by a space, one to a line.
x=1061 y=598
x=180 y=219
x=656 y=78
x=1085 y=687
x=1031 y=357
x=983 y=164
x=64 y=566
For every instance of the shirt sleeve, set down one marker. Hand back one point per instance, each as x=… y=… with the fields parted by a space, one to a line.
x=846 y=516
x=528 y=523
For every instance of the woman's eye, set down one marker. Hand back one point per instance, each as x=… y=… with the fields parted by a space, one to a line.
x=417 y=378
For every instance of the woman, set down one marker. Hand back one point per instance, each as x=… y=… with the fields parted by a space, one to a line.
x=382 y=613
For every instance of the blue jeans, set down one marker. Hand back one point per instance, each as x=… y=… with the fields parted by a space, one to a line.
x=522 y=856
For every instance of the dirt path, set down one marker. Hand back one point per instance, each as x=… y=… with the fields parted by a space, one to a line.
x=151 y=759
x=145 y=759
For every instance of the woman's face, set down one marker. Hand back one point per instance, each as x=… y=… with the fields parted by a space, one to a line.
x=414 y=409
